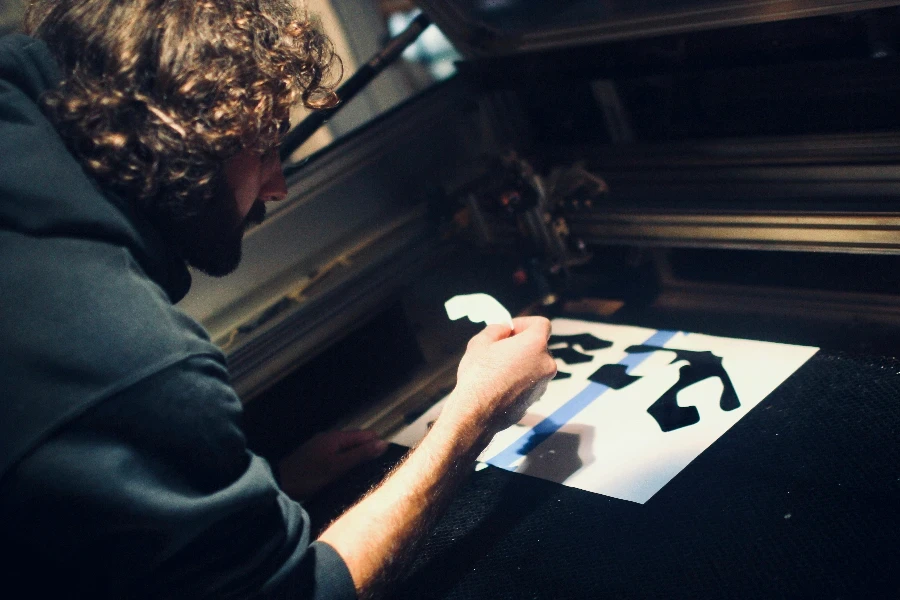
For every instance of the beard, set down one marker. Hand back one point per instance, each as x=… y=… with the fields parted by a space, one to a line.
x=210 y=238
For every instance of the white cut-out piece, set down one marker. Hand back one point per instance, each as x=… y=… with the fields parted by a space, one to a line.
x=479 y=308
x=605 y=438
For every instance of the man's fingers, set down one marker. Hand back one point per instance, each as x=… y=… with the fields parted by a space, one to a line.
x=355 y=455
x=490 y=334
x=344 y=440
x=538 y=325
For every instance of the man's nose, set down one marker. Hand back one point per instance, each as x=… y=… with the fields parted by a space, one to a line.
x=274 y=187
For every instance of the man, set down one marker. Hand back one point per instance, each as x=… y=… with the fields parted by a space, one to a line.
x=137 y=136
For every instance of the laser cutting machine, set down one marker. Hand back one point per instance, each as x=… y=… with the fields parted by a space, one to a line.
x=730 y=168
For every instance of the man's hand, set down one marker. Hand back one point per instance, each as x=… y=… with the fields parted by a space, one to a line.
x=501 y=373
x=325 y=457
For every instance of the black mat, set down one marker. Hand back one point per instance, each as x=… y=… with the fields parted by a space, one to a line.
x=800 y=499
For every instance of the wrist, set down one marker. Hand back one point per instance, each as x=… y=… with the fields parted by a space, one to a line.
x=467 y=432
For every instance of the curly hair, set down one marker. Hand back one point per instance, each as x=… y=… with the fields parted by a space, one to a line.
x=157 y=94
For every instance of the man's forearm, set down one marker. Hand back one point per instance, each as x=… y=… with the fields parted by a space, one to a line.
x=501 y=373
x=377 y=535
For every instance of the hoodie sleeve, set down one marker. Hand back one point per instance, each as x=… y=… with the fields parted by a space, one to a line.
x=154 y=494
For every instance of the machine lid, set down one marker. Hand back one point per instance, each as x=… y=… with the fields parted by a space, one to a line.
x=496 y=27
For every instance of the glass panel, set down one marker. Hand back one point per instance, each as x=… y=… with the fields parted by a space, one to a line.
x=432 y=50
x=359 y=30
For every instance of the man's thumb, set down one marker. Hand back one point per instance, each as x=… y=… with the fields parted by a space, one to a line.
x=493 y=333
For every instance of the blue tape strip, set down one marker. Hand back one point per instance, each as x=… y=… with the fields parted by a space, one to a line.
x=565 y=413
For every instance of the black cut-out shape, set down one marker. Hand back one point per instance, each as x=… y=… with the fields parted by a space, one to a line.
x=587 y=341
x=701 y=365
x=569 y=355
x=613 y=376
x=668 y=413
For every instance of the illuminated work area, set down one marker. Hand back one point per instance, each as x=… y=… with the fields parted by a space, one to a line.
x=700 y=203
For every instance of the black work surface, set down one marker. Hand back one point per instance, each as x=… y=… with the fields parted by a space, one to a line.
x=800 y=499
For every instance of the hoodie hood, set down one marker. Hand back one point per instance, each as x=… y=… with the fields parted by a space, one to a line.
x=86 y=284
x=43 y=189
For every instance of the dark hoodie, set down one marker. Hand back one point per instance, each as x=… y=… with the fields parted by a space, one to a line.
x=123 y=469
